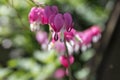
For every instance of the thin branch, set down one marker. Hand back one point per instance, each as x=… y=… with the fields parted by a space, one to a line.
x=37 y=3
x=19 y=17
x=29 y=2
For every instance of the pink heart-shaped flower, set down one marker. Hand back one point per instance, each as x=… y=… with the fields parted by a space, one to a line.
x=95 y=30
x=64 y=60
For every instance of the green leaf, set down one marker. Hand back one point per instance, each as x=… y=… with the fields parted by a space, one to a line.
x=45 y=57
x=4 y=72
x=87 y=54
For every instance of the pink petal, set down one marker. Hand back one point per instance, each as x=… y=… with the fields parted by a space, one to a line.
x=95 y=30
x=58 y=22
x=68 y=36
x=64 y=61
x=41 y=37
x=33 y=15
x=55 y=9
x=60 y=47
x=38 y=14
x=51 y=21
x=86 y=37
x=42 y=16
x=59 y=73
x=48 y=11
x=68 y=20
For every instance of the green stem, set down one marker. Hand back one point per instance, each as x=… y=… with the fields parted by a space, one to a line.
x=50 y=33
x=37 y=3
x=69 y=67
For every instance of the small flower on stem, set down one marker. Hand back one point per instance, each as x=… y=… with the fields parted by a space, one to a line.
x=96 y=33
x=61 y=23
x=59 y=73
x=36 y=18
x=40 y=15
x=64 y=60
x=49 y=11
x=42 y=39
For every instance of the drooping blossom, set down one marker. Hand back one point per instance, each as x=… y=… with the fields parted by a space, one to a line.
x=61 y=23
x=35 y=18
x=59 y=73
x=71 y=42
x=68 y=36
x=87 y=36
x=96 y=33
x=60 y=47
x=42 y=39
x=57 y=45
x=64 y=60
x=39 y=15
x=95 y=30
x=56 y=22
x=49 y=11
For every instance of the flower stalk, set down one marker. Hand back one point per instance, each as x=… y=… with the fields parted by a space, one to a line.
x=69 y=67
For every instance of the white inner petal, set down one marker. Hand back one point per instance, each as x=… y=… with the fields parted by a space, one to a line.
x=77 y=37
x=44 y=46
x=76 y=48
x=62 y=34
x=50 y=46
x=84 y=48
x=89 y=45
x=95 y=39
x=70 y=48
x=72 y=43
x=35 y=26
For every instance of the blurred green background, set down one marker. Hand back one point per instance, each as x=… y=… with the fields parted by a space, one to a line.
x=21 y=57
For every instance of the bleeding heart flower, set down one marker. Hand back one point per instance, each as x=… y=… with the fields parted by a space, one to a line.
x=42 y=37
x=84 y=37
x=69 y=35
x=61 y=23
x=56 y=22
x=33 y=15
x=68 y=21
x=95 y=30
x=60 y=47
x=64 y=60
x=39 y=15
x=59 y=73
x=50 y=10
x=36 y=17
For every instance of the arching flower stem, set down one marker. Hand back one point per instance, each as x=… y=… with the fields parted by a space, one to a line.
x=69 y=67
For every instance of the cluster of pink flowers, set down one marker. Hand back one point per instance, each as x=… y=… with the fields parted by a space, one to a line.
x=62 y=31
